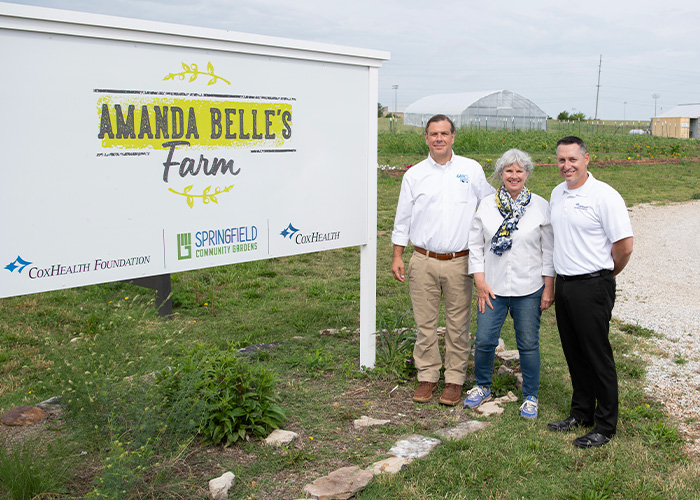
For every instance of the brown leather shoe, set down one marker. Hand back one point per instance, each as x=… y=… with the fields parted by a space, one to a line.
x=451 y=395
x=424 y=392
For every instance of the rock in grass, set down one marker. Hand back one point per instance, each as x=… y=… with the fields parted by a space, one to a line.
x=490 y=408
x=414 y=446
x=23 y=415
x=391 y=465
x=364 y=421
x=279 y=437
x=509 y=398
x=340 y=484
x=509 y=357
x=462 y=429
x=218 y=487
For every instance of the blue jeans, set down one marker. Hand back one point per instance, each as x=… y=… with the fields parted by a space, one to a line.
x=526 y=314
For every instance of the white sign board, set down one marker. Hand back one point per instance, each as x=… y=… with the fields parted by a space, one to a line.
x=135 y=148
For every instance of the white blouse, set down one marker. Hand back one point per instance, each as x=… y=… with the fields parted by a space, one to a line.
x=520 y=270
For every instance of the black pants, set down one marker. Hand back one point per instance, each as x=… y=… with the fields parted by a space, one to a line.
x=583 y=309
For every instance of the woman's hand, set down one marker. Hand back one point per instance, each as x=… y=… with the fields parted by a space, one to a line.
x=484 y=294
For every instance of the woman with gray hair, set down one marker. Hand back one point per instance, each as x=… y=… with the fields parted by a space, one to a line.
x=510 y=257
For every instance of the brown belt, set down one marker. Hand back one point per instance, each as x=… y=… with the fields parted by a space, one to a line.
x=441 y=256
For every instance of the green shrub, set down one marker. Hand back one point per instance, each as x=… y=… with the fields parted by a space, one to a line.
x=220 y=395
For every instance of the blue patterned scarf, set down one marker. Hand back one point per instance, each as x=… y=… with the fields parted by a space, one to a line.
x=511 y=210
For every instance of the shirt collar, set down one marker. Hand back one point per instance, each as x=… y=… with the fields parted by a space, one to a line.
x=436 y=164
x=584 y=189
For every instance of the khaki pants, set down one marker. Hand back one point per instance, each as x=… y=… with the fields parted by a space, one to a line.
x=430 y=280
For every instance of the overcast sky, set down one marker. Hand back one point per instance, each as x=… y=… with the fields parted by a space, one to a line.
x=548 y=51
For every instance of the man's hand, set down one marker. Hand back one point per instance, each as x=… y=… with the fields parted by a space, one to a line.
x=621 y=252
x=548 y=293
x=397 y=265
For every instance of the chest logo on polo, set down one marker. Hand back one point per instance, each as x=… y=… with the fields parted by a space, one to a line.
x=464 y=178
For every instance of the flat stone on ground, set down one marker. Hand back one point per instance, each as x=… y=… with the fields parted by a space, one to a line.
x=414 y=446
x=462 y=429
x=390 y=465
x=23 y=415
x=364 y=421
x=490 y=408
x=218 y=487
x=509 y=398
x=278 y=437
x=268 y=346
x=340 y=484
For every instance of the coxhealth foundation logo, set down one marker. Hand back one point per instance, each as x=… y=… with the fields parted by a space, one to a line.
x=301 y=238
x=215 y=242
x=19 y=263
x=58 y=269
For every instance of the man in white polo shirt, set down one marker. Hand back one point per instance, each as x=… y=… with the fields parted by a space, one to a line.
x=439 y=197
x=592 y=244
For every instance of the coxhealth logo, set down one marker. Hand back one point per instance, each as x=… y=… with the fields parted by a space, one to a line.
x=18 y=263
x=289 y=231
x=301 y=238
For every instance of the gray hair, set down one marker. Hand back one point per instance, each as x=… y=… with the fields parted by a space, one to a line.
x=513 y=156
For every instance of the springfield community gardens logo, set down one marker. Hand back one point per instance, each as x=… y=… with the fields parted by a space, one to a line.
x=301 y=238
x=188 y=128
x=214 y=242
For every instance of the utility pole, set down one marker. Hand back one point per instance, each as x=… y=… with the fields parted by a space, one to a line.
x=597 y=94
x=655 y=96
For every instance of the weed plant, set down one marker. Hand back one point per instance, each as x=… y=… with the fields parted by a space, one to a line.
x=396 y=339
x=30 y=468
x=220 y=396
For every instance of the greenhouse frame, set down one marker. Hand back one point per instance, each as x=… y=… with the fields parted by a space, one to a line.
x=493 y=109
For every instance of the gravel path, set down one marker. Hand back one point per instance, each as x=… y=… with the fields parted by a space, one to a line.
x=658 y=290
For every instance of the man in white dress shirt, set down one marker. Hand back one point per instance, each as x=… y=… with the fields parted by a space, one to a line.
x=439 y=197
x=592 y=244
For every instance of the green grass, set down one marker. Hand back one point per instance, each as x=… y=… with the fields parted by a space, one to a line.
x=99 y=347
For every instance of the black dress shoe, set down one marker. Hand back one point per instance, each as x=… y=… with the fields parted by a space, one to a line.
x=567 y=424
x=592 y=440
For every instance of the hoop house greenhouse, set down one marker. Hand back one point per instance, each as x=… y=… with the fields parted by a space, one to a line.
x=493 y=109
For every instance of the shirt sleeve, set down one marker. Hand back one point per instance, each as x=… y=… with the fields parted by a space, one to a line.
x=483 y=187
x=614 y=217
x=547 y=242
x=477 y=245
x=402 y=221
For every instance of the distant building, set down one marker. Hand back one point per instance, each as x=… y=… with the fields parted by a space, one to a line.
x=680 y=122
x=493 y=109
